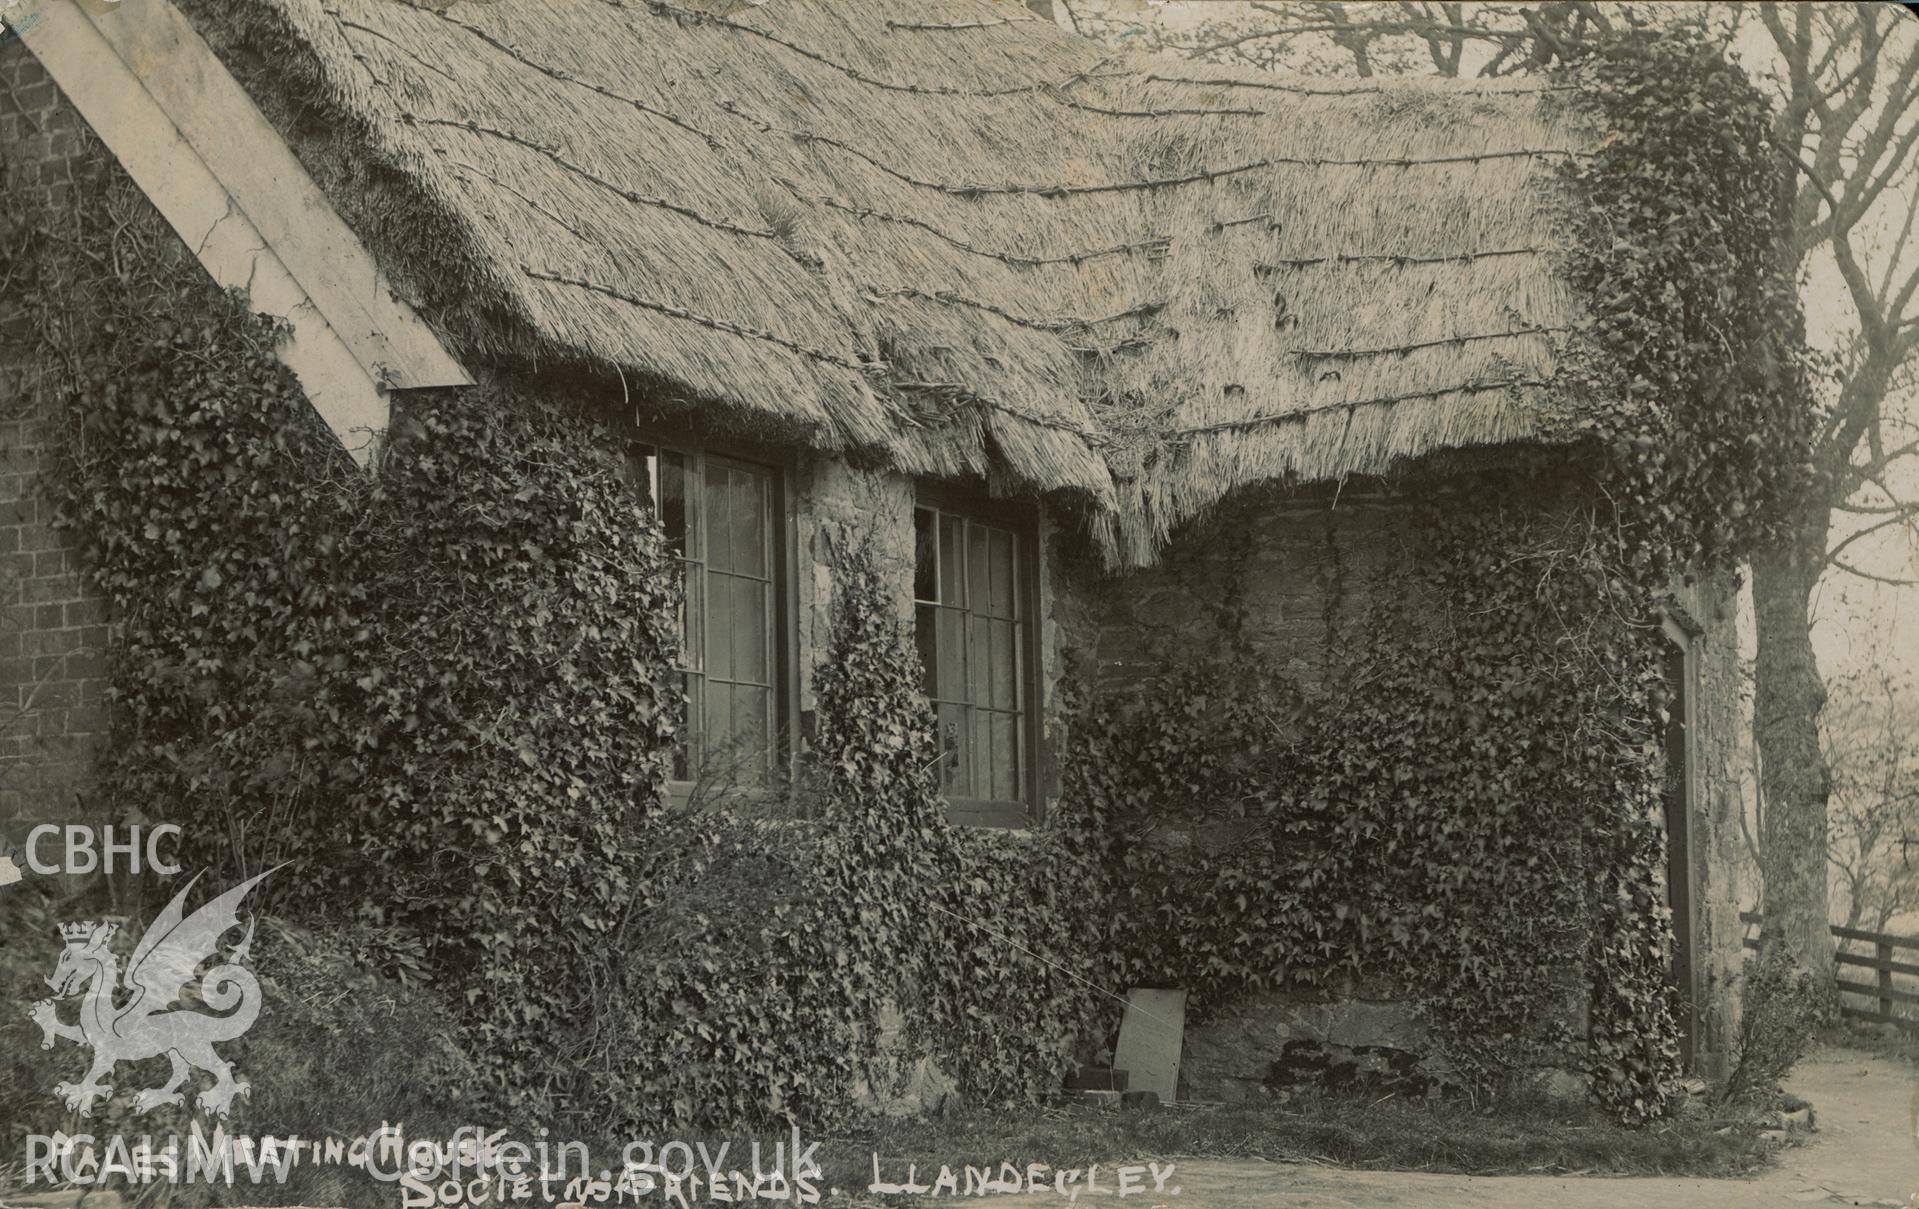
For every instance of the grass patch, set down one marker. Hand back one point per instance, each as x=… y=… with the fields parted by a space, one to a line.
x=1537 y=1137
x=1520 y=1136
x=341 y=1050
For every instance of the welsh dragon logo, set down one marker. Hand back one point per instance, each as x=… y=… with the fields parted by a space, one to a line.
x=158 y=972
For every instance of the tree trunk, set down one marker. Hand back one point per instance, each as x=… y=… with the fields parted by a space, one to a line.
x=1788 y=694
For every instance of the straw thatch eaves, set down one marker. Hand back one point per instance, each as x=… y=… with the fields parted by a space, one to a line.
x=953 y=235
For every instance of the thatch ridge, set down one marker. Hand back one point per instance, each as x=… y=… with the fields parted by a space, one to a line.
x=970 y=244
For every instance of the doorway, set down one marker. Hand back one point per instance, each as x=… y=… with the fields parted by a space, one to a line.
x=1679 y=793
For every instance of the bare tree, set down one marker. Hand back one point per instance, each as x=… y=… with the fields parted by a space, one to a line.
x=1872 y=748
x=1360 y=37
x=1848 y=77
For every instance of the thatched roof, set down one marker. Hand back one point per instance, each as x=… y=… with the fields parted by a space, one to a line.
x=949 y=234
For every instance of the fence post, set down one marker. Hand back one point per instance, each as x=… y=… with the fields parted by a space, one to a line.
x=1882 y=950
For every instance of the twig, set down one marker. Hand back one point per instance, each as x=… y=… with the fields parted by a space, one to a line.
x=530 y=202
x=1200 y=176
x=1016 y=259
x=1273 y=86
x=1205 y=112
x=1399 y=258
x=950 y=25
x=345 y=22
x=1850 y=569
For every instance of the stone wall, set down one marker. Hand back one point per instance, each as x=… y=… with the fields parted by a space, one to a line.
x=53 y=632
x=1234 y=1056
x=1711 y=610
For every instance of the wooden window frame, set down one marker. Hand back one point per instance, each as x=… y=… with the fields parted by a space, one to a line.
x=783 y=542
x=1022 y=517
x=1685 y=642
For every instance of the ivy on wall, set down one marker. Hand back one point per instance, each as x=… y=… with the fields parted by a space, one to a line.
x=768 y=950
x=439 y=690
x=1692 y=377
x=443 y=691
x=777 y=966
x=1464 y=816
x=1467 y=813
x=985 y=936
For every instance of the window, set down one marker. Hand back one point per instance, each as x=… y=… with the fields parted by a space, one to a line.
x=972 y=581
x=719 y=519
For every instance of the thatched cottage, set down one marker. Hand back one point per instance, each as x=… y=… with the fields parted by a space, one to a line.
x=1076 y=337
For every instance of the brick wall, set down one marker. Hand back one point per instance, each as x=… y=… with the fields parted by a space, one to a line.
x=1295 y=570
x=53 y=633
x=1298 y=570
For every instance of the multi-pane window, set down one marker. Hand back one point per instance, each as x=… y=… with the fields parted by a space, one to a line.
x=719 y=519
x=970 y=586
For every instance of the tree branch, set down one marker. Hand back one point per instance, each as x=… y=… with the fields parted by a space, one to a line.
x=1903 y=518
x=1849 y=569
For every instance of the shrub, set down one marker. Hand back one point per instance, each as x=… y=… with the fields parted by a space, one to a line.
x=28 y=946
x=1781 y=1009
x=342 y=1038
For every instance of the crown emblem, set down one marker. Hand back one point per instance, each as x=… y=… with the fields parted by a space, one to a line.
x=77 y=931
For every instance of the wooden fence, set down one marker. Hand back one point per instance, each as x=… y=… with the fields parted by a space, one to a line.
x=1882 y=966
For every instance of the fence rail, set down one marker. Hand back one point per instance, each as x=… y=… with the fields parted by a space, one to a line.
x=1880 y=961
